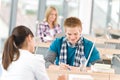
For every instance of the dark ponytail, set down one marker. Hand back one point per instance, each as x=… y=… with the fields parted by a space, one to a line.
x=9 y=52
x=13 y=44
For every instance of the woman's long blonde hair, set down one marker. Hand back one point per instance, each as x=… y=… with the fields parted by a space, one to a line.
x=47 y=13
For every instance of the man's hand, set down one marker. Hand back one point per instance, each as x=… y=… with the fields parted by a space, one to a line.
x=61 y=66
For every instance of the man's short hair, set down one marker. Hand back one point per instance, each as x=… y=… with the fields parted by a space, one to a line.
x=72 y=22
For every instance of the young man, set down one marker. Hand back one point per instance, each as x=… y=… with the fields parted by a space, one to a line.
x=67 y=51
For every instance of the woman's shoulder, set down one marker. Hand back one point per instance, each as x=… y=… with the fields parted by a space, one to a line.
x=34 y=59
x=43 y=23
x=37 y=58
x=30 y=56
x=57 y=25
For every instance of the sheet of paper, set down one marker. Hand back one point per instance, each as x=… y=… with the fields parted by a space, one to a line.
x=80 y=77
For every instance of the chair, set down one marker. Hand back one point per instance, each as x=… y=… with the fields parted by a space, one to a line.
x=115 y=63
x=42 y=48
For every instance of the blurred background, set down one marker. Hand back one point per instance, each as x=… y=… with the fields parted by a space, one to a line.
x=100 y=18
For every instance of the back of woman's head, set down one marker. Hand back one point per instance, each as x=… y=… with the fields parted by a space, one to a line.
x=13 y=43
x=19 y=34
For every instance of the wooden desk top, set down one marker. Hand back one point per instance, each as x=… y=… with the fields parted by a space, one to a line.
x=44 y=44
x=107 y=53
x=98 y=40
x=101 y=40
x=53 y=74
x=115 y=32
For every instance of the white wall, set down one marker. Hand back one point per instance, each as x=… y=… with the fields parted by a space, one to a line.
x=85 y=14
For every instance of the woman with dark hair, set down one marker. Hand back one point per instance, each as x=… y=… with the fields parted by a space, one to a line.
x=18 y=60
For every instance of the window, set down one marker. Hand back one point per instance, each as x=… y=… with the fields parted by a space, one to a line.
x=27 y=13
x=4 y=21
x=106 y=18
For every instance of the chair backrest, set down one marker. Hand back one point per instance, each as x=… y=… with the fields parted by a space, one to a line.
x=115 y=63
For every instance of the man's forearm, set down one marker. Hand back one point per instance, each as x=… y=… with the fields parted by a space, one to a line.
x=49 y=58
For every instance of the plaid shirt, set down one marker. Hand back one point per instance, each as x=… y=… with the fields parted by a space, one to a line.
x=44 y=31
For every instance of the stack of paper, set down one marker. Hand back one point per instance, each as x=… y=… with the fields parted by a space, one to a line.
x=97 y=67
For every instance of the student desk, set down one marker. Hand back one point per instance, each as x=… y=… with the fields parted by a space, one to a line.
x=42 y=48
x=97 y=76
x=44 y=44
x=53 y=74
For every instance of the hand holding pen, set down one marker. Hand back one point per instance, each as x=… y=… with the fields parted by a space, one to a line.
x=64 y=66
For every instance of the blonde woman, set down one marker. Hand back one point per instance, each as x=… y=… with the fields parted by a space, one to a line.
x=49 y=27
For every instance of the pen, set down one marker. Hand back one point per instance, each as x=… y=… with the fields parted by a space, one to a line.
x=68 y=68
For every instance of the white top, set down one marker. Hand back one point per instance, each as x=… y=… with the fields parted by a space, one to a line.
x=28 y=67
x=52 y=32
